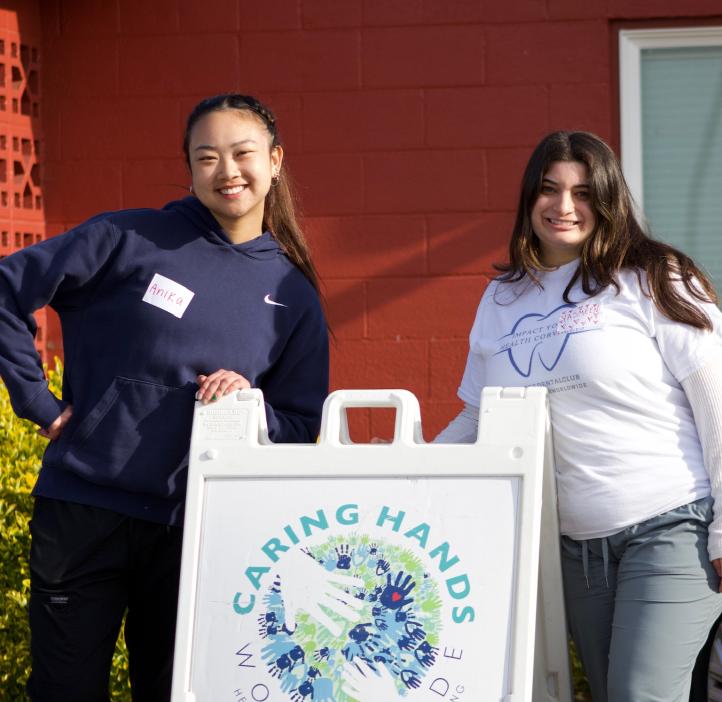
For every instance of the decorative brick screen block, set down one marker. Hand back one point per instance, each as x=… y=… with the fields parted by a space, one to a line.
x=22 y=219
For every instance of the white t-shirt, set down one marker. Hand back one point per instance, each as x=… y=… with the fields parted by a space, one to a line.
x=625 y=443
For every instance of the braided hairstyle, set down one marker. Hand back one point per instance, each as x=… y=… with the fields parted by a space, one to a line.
x=279 y=212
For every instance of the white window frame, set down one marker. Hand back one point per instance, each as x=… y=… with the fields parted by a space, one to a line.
x=631 y=43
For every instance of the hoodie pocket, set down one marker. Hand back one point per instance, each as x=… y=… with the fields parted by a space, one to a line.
x=136 y=438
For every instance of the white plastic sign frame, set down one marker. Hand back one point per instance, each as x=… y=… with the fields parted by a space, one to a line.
x=454 y=539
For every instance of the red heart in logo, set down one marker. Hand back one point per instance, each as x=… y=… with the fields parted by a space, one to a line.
x=395 y=597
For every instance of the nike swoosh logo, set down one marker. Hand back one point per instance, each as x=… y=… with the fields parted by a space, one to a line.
x=268 y=301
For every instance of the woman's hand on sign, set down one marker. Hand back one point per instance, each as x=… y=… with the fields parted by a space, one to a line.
x=214 y=386
x=56 y=428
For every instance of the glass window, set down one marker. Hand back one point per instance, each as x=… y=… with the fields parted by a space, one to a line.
x=682 y=150
x=673 y=133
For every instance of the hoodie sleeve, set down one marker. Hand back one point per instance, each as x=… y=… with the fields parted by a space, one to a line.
x=297 y=385
x=57 y=272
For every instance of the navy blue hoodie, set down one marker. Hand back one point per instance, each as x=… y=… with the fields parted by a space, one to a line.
x=148 y=299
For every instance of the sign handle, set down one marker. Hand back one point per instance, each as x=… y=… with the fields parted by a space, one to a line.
x=334 y=421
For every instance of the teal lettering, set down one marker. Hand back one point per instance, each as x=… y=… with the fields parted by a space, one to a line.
x=307 y=522
x=246 y=608
x=459 y=579
x=254 y=573
x=270 y=548
x=461 y=615
x=384 y=517
x=351 y=518
x=420 y=533
x=443 y=550
x=291 y=534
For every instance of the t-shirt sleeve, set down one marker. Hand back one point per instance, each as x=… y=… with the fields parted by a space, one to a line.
x=474 y=378
x=684 y=348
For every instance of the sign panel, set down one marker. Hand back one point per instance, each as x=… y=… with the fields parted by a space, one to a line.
x=361 y=573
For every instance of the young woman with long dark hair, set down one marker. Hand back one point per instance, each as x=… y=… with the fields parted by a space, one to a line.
x=212 y=293
x=625 y=334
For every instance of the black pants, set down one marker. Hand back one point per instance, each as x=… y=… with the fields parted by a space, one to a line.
x=87 y=567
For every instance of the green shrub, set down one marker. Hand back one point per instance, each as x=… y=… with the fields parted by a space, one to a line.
x=579 y=680
x=21 y=450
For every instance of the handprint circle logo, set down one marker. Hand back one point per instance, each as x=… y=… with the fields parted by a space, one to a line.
x=374 y=637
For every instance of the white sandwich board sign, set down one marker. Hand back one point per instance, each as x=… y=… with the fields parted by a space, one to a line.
x=340 y=572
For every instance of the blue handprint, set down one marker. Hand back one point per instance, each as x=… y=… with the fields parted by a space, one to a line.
x=286 y=661
x=411 y=625
x=383 y=656
x=410 y=678
x=297 y=655
x=302 y=692
x=363 y=642
x=359 y=633
x=382 y=565
x=415 y=630
x=380 y=624
x=267 y=625
x=323 y=690
x=405 y=643
x=374 y=594
x=280 y=666
x=359 y=556
x=322 y=654
x=425 y=654
x=343 y=555
x=395 y=596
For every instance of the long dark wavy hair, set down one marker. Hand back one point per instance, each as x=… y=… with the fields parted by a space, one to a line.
x=618 y=240
x=279 y=212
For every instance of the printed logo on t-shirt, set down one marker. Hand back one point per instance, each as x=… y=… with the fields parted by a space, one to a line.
x=168 y=295
x=579 y=318
x=544 y=337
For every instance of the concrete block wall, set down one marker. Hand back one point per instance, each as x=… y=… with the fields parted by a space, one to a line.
x=406 y=125
x=22 y=219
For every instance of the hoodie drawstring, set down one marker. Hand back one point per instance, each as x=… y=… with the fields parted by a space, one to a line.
x=605 y=560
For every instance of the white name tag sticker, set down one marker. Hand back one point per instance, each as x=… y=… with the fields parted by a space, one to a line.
x=168 y=295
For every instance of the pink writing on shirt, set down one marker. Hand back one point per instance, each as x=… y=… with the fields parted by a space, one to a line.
x=586 y=316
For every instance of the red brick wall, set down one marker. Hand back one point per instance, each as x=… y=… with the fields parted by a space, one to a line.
x=22 y=220
x=406 y=122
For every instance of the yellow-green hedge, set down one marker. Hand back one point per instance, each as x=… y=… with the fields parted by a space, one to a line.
x=21 y=450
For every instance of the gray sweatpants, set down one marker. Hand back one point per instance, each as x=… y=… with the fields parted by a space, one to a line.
x=639 y=626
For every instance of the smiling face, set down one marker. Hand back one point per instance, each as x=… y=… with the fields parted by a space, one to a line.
x=562 y=216
x=232 y=164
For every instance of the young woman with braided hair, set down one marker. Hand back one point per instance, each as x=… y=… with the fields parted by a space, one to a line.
x=212 y=293
x=624 y=332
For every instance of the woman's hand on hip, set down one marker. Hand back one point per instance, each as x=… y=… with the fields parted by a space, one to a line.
x=56 y=428
x=216 y=385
